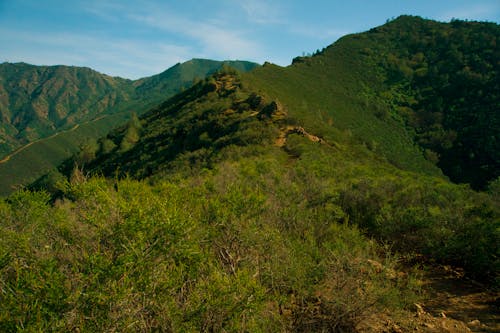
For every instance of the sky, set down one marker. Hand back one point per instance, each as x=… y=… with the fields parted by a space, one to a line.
x=134 y=39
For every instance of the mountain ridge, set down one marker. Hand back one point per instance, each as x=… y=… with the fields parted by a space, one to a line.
x=36 y=101
x=40 y=115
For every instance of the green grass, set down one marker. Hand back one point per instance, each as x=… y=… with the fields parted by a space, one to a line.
x=42 y=156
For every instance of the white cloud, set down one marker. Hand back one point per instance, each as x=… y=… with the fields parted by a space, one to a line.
x=214 y=38
x=130 y=58
x=263 y=12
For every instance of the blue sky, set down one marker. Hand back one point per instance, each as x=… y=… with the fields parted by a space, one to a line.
x=134 y=39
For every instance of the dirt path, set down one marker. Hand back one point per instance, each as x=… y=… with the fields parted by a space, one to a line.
x=17 y=151
x=452 y=304
x=8 y=157
x=281 y=140
x=453 y=296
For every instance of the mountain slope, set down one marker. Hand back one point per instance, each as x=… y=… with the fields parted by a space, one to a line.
x=243 y=220
x=411 y=80
x=225 y=119
x=36 y=101
x=192 y=126
x=336 y=100
x=103 y=101
x=444 y=81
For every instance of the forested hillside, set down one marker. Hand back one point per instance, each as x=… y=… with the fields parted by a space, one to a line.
x=444 y=81
x=440 y=81
x=36 y=101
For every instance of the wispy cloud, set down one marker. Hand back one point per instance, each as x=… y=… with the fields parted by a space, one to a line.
x=214 y=38
x=277 y=13
x=475 y=12
x=264 y=12
x=114 y=56
x=105 y=10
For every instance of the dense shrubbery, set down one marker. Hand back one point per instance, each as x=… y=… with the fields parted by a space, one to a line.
x=226 y=251
x=261 y=242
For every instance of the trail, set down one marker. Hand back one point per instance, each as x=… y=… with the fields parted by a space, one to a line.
x=451 y=304
x=17 y=151
x=284 y=132
x=453 y=296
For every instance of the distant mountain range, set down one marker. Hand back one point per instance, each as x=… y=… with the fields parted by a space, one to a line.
x=37 y=101
x=65 y=106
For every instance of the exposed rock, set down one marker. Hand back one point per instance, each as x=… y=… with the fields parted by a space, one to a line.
x=474 y=323
x=281 y=140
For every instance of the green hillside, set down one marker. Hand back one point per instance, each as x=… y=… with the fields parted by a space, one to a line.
x=444 y=81
x=297 y=199
x=224 y=119
x=37 y=101
x=411 y=80
x=41 y=106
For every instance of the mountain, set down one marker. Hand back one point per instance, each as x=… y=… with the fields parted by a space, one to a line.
x=37 y=101
x=443 y=80
x=49 y=112
x=338 y=108
x=297 y=199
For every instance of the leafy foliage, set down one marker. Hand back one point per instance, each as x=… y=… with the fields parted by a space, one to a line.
x=447 y=76
x=182 y=257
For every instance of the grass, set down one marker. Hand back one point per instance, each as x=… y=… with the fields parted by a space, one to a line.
x=44 y=155
x=327 y=95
